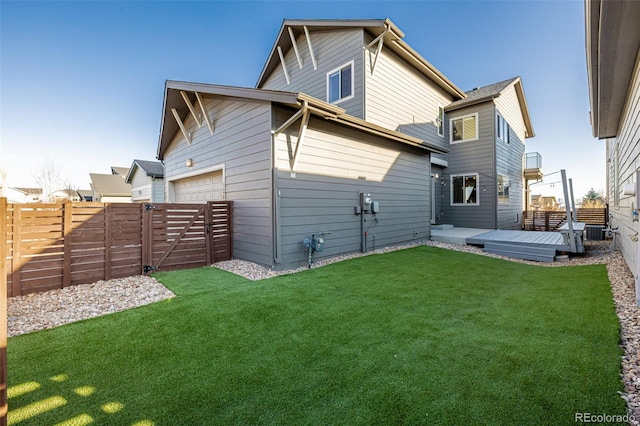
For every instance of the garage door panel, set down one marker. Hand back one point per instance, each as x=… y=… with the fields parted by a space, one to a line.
x=200 y=189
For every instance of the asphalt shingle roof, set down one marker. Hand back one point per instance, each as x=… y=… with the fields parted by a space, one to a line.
x=481 y=94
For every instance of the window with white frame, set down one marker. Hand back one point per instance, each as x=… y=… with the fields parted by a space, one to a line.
x=440 y=121
x=464 y=128
x=464 y=189
x=502 y=128
x=503 y=188
x=340 y=83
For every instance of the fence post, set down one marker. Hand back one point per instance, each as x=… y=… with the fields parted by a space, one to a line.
x=3 y=313
x=208 y=232
x=67 y=219
x=107 y=241
x=546 y=221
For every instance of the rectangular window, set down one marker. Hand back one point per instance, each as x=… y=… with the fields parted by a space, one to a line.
x=340 y=83
x=503 y=188
x=464 y=128
x=502 y=129
x=440 y=121
x=464 y=189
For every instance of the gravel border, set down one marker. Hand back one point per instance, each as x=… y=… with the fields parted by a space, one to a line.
x=41 y=311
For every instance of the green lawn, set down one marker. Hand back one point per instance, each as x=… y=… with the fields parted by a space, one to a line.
x=417 y=336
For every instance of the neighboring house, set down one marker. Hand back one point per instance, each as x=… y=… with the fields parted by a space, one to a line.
x=342 y=109
x=121 y=171
x=86 y=194
x=110 y=188
x=613 y=55
x=65 y=195
x=30 y=195
x=147 y=181
x=22 y=195
x=540 y=202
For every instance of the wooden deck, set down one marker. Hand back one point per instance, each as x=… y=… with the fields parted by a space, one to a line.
x=530 y=245
x=532 y=238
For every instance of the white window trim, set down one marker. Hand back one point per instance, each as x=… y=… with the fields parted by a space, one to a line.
x=462 y=117
x=353 y=80
x=440 y=108
x=503 y=200
x=477 y=203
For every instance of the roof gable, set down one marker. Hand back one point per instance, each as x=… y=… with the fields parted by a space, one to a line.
x=393 y=40
x=492 y=91
x=153 y=169
x=110 y=184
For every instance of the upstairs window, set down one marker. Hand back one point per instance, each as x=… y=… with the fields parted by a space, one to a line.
x=340 y=83
x=503 y=188
x=464 y=189
x=464 y=128
x=440 y=121
x=502 y=130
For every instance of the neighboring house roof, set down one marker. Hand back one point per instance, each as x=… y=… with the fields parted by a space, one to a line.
x=173 y=100
x=376 y=27
x=612 y=44
x=492 y=91
x=153 y=169
x=68 y=192
x=85 y=193
x=122 y=171
x=30 y=191
x=112 y=185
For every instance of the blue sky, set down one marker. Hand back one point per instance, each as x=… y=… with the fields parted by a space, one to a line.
x=82 y=83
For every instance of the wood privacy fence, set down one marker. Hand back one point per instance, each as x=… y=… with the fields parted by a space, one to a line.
x=551 y=220
x=50 y=246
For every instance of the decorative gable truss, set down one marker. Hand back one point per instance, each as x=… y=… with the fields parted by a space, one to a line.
x=194 y=114
x=373 y=57
x=294 y=43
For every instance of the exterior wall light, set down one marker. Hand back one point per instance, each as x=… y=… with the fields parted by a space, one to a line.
x=189 y=162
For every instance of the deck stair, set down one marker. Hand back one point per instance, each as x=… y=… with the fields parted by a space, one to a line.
x=521 y=251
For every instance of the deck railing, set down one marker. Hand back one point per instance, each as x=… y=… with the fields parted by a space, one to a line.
x=552 y=220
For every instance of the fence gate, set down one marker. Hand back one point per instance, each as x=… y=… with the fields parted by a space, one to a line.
x=182 y=236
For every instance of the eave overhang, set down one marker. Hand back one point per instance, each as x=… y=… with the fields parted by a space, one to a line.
x=612 y=38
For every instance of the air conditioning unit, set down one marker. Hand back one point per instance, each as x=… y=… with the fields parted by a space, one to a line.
x=595 y=232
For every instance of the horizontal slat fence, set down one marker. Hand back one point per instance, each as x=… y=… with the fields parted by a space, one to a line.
x=552 y=220
x=51 y=246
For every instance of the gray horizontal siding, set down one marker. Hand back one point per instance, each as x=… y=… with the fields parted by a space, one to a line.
x=509 y=157
x=242 y=144
x=474 y=157
x=325 y=189
x=332 y=49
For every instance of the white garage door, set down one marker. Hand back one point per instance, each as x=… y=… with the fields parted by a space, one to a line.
x=200 y=189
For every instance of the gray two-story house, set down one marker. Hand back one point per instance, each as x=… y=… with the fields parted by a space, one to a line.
x=368 y=70
x=349 y=132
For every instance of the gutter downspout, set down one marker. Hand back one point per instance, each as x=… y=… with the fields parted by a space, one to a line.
x=275 y=211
